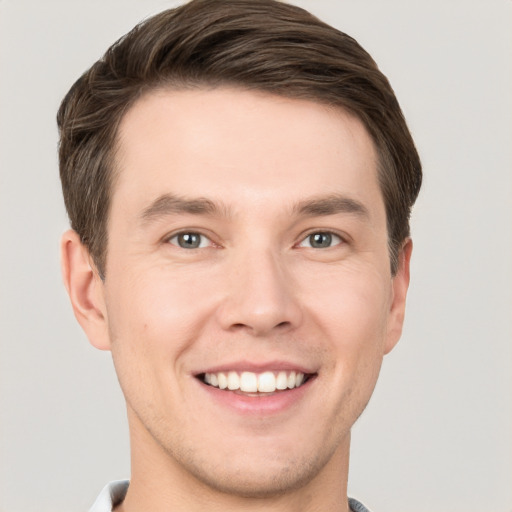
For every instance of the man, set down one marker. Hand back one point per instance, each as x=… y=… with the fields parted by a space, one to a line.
x=239 y=179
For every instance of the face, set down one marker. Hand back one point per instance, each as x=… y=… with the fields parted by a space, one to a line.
x=248 y=299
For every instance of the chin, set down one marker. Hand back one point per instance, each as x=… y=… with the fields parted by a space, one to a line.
x=265 y=483
x=246 y=477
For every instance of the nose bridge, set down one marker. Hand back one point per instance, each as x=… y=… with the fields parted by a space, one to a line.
x=259 y=295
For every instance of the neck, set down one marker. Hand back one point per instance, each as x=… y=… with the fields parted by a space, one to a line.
x=160 y=483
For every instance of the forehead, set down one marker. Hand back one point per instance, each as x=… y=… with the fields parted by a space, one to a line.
x=241 y=147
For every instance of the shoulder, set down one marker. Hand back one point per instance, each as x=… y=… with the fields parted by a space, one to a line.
x=356 y=506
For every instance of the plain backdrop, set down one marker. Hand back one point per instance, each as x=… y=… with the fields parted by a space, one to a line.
x=437 y=435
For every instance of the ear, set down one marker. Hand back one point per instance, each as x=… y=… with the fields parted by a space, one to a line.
x=400 y=285
x=85 y=289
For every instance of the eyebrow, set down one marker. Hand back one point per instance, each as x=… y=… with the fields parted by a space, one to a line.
x=331 y=205
x=168 y=204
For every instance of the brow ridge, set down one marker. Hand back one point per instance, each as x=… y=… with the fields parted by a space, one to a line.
x=168 y=204
x=331 y=205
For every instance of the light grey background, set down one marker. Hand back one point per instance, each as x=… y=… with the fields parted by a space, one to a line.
x=438 y=433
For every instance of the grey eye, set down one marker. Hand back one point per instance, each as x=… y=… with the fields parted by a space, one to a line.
x=189 y=240
x=321 y=240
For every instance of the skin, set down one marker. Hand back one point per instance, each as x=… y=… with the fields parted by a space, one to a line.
x=256 y=291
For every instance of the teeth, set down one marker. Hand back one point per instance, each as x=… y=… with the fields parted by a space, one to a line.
x=249 y=382
x=233 y=381
x=290 y=381
x=281 y=381
x=266 y=382
x=223 y=380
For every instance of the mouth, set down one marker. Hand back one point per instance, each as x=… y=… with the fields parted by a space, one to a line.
x=256 y=384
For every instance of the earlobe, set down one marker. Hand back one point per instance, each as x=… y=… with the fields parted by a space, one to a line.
x=85 y=290
x=400 y=286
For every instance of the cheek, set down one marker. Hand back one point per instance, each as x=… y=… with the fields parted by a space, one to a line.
x=154 y=321
x=352 y=311
x=158 y=302
x=155 y=317
x=353 y=304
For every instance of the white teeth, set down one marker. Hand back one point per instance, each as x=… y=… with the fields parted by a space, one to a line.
x=233 y=381
x=249 y=382
x=282 y=380
x=223 y=380
x=266 y=382
x=290 y=382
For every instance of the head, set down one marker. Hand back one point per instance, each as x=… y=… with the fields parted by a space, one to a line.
x=265 y=46
x=239 y=177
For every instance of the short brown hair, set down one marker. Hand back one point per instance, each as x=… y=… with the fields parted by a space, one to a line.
x=262 y=45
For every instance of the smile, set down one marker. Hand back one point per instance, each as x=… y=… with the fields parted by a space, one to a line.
x=250 y=382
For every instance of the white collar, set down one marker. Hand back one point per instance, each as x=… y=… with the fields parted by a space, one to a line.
x=111 y=495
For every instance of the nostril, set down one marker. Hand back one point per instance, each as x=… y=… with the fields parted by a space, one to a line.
x=264 y=329
x=238 y=327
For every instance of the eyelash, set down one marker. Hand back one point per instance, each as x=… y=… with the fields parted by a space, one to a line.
x=329 y=234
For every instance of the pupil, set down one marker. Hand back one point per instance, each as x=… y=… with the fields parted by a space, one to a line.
x=320 y=240
x=189 y=240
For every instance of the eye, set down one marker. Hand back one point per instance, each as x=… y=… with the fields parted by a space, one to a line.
x=190 y=240
x=321 y=240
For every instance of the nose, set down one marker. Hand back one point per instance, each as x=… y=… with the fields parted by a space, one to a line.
x=260 y=296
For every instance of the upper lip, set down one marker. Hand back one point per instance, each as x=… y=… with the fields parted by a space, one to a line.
x=257 y=367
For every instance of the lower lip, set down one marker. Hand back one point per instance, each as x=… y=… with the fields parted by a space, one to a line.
x=258 y=404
